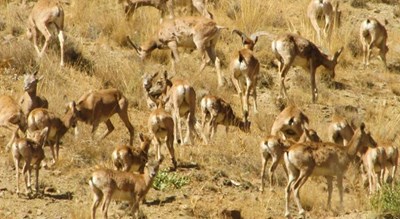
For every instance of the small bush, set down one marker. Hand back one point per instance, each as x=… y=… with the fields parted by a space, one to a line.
x=387 y=201
x=354 y=44
x=396 y=11
x=166 y=179
x=358 y=3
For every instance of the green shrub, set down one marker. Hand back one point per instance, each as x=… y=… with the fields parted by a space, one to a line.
x=166 y=179
x=387 y=200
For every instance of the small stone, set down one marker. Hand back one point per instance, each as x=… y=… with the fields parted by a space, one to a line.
x=39 y=212
x=49 y=190
x=184 y=207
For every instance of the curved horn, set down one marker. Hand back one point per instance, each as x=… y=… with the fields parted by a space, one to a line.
x=240 y=33
x=137 y=48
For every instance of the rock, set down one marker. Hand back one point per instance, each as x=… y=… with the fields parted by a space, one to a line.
x=49 y=190
x=39 y=212
x=231 y=214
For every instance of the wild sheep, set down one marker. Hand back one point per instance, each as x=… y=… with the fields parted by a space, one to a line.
x=126 y=158
x=294 y=50
x=97 y=106
x=41 y=118
x=30 y=100
x=31 y=151
x=189 y=32
x=45 y=13
x=107 y=185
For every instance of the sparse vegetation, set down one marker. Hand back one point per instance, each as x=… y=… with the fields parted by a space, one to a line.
x=169 y=180
x=359 y=3
x=387 y=201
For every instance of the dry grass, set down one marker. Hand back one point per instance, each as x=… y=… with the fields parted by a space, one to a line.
x=227 y=175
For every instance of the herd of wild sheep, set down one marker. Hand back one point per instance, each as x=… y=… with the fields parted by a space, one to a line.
x=292 y=142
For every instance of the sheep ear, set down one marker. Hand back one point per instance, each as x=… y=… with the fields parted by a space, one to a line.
x=166 y=99
x=362 y=126
x=72 y=106
x=161 y=159
x=255 y=40
x=337 y=54
x=154 y=74
x=44 y=131
x=165 y=74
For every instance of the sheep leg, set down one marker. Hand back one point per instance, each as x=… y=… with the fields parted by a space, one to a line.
x=110 y=128
x=125 y=119
x=16 y=161
x=47 y=35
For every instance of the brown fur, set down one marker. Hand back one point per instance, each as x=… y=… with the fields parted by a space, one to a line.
x=29 y=99
x=373 y=34
x=179 y=98
x=273 y=147
x=111 y=185
x=41 y=118
x=325 y=10
x=45 y=13
x=31 y=151
x=218 y=112
x=292 y=49
x=95 y=107
x=125 y=157
x=189 y=32
x=340 y=130
x=165 y=6
x=374 y=161
x=290 y=123
x=11 y=115
x=245 y=69
x=326 y=159
x=161 y=125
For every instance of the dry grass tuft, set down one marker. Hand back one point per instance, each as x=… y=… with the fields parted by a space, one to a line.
x=396 y=11
x=16 y=58
x=358 y=3
x=354 y=46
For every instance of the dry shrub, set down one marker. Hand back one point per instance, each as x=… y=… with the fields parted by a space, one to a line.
x=18 y=56
x=352 y=113
x=396 y=89
x=396 y=11
x=389 y=2
x=385 y=120
x=3 y=25
x=265 y=81
x=249 y=19
x=233 y=9
x=299 y=79
x=354 y=45
x=74 y=56
x=358 y=3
